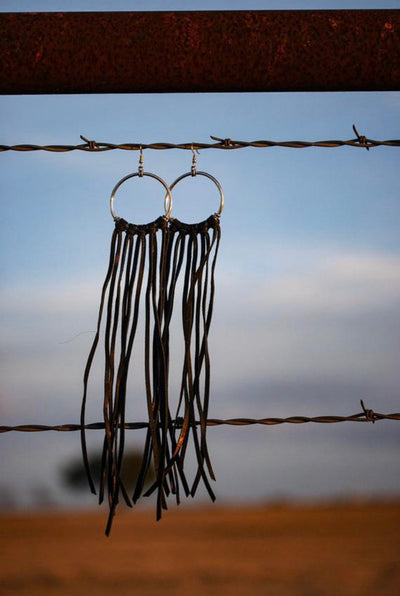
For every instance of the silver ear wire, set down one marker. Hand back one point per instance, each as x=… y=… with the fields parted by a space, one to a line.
x=141 y=173
x=194 y=163
x=194 y=172
x=141 y=168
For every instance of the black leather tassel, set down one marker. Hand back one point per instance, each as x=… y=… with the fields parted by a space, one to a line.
x=152 y=268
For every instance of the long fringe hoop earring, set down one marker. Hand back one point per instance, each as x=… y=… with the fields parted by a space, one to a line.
x=136 y=281
x=196 y=249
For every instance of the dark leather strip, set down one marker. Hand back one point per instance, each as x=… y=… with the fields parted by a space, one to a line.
x=145 y=265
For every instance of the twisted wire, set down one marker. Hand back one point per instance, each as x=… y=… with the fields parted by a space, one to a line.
x=365 y=416
x=228 y=144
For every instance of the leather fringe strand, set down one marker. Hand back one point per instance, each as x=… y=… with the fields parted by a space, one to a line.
x=145 y=265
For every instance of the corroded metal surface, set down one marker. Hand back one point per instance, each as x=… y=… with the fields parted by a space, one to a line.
x=156 y=52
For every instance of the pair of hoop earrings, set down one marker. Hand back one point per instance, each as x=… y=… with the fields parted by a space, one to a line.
x=150 y=267
x=168 y=196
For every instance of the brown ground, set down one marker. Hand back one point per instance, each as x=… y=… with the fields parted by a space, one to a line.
x=307 y=551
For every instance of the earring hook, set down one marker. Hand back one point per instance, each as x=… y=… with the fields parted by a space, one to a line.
x=194 y=162
x=141 y=168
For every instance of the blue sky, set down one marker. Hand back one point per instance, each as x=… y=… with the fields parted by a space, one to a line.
x=308 y=281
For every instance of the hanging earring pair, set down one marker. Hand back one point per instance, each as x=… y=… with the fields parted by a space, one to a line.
x=146 y=262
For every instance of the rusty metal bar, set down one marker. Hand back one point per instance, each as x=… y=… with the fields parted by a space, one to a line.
x=208 y=51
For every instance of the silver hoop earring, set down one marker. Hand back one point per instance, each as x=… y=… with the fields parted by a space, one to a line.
x=199 y=244
x=134 y=284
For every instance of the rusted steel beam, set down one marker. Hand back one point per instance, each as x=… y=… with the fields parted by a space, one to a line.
x=209 y=51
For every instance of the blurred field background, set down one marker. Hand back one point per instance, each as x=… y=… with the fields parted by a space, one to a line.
x=300 y=550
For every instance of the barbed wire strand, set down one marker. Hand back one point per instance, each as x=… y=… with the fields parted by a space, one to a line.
x=367 y=415
x=93 y=146
x=228 y=144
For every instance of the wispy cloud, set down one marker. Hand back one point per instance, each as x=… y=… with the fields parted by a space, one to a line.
x=342 y=284
x=333 y=317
